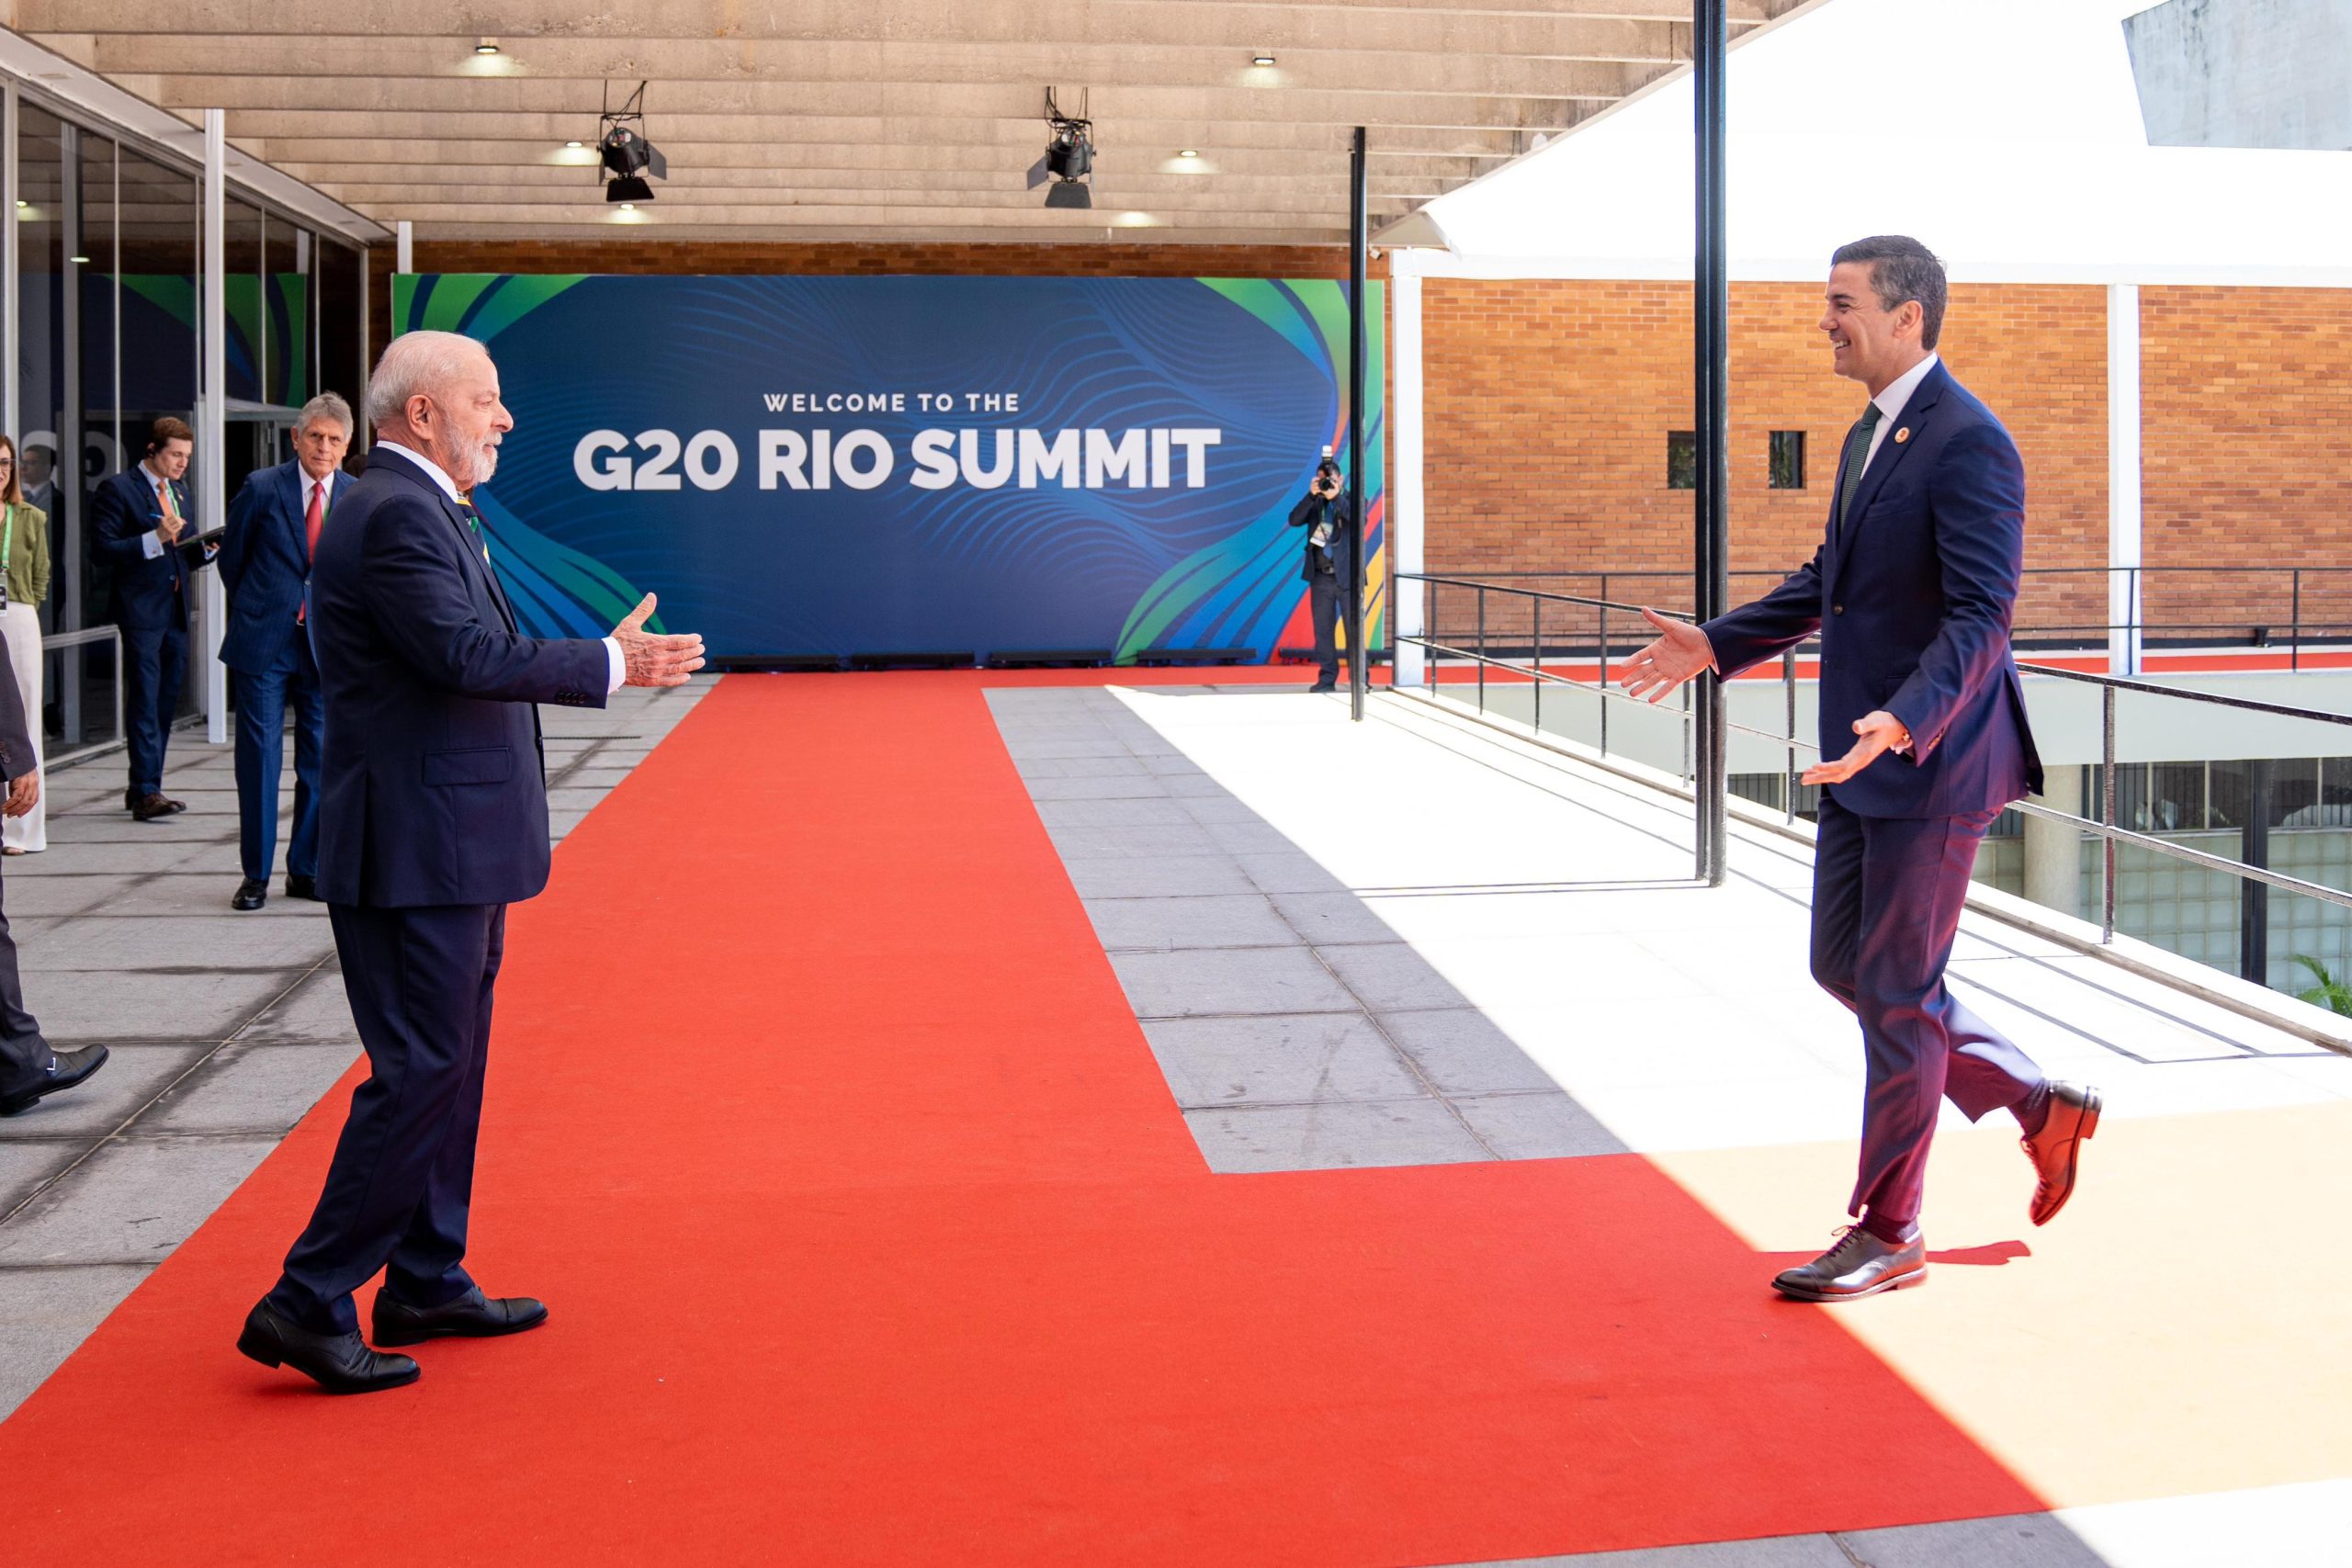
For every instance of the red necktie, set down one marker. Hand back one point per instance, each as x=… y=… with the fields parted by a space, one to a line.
x=313 y=521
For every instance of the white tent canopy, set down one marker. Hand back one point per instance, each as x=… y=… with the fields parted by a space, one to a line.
x=2005 y=134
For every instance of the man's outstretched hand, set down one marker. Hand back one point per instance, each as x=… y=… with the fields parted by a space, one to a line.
x=1878 y=731
x=652 y=658
x=1679 y=651
x=24 y=794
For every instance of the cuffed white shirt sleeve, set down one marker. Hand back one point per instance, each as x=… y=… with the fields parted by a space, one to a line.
x=616 y=667
x=151 y=545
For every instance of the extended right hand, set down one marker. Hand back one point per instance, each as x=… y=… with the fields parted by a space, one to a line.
x=1679 y=651
x=652 y=658
x=168 y=530
x=24 y=794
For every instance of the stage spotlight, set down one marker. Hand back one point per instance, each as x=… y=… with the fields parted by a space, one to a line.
x=625 y=153
x=1070 y=156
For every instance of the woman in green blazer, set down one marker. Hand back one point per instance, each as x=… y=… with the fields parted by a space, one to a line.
x=24 y=563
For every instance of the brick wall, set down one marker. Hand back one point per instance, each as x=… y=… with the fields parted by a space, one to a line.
x=1549 y=404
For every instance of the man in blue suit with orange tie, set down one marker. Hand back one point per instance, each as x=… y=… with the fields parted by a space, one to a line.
x=139 y=520
x=274 y=528
x=1923 y=742
x=434 y=817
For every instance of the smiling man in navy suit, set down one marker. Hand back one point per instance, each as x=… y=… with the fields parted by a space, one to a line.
x=434 y=817
x=274 y=528
x=1923 y=741
x=139 y=520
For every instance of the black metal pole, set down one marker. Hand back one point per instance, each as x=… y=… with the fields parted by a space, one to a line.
x=2254 y=848
x=1710 y=303
x=1359 y=663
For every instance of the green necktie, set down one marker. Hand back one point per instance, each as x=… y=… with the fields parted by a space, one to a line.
x=1857 y=451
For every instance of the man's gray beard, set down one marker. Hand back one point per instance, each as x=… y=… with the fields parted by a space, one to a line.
x=484 y=464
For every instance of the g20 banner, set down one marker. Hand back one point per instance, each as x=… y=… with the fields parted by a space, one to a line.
x=836 y=466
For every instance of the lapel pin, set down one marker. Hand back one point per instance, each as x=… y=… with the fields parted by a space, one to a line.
x=1902 y=435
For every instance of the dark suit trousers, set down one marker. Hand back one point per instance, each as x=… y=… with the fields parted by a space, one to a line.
x=262 y=700
x=401 y=1187
x=24 y=1055
x=155 y=661
x=1887 y=894
x=1323 y=605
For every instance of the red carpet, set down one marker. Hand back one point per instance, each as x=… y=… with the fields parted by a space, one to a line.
x=872 y=1235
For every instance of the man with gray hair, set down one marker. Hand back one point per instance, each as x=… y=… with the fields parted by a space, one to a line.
x=274 y=528
x=434 y=819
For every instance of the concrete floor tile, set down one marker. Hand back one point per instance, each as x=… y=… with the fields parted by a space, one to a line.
x=25 y=1163
x=167 y=850
x=2024 y=1541
x=1289 y=872
x=1228 y=919
x=1333 y=1135
x=1152 y=877
x=131 y=1202
x=57 y=895
x=315 y=1012
x=1284 y=1060
x=1535 y=1126
x=1132 y=843
x=204 y=889
x=45 y=1314
x=1114 y=764
x=1068 y=748
x=1139 y=786
x=1218 y=809
x=158 y=1007
x=1460 y=1051
x=249 y=1087
x=1324 y=918
x=133 y=1075
x=1196 y=982
x=150 y=942
x=1392 y=977
x=1120 y=813
x=1251 y=837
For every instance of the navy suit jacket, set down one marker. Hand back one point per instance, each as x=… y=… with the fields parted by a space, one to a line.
x=433 y=787
x=1308 y=512
x=1912 y=599
x=265 y=562
x=147 y=594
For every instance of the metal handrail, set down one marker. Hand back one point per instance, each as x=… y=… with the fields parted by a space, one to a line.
x=2137 y=576
x=2104 y=827
x=107 y=633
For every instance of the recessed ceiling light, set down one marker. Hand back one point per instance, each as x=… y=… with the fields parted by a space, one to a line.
x=628 y=206
x=1188 y=153
x=487 y=46
x=1262 y=59
x=84 y=261
x=22 y=203
x=52 y=76
x=575 y=145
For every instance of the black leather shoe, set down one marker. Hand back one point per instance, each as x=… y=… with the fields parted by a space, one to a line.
x=131 y=798
x=471 y=1316
x=1321 y=686
x=301 y=886
x=1859 y=1265
x=251 y=895
x=340 y=1363
x=66 y=1068
x=2057 y=1149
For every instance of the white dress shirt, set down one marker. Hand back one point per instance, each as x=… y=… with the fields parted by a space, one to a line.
x=616 y=666
x=1890 y=402
x=149 y=545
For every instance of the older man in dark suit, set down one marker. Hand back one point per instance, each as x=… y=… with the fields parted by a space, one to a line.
x=29 y=1070
x=1923 y=741
x=435 y=819
x=275 y=524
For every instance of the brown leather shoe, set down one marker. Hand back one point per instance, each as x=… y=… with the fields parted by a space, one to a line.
x=149 y=806
x=1859 y=1265
x=2057 y=1149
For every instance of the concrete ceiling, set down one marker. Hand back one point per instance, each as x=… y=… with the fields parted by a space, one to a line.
x=881 y=119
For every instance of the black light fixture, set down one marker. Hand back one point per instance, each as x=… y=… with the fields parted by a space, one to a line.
x=1070 y=156
x=621 y=147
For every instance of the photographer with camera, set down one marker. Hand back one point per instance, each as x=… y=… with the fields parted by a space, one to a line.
x=1329 y=563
